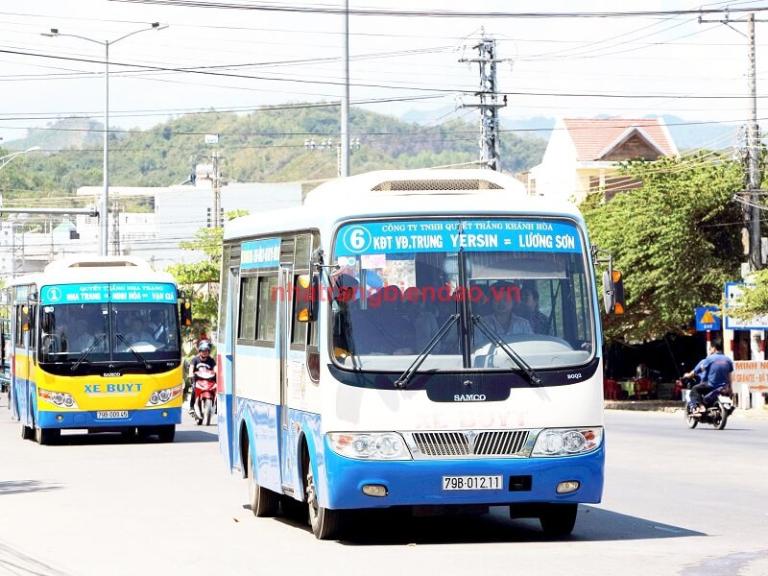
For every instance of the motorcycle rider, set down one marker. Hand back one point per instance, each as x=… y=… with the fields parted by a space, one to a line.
x=203 y=356
x=714 y=372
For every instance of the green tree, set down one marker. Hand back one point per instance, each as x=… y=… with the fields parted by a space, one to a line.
x=676 y=239
x=200 y=280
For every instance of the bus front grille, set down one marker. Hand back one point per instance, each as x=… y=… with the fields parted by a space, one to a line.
x=469 y=443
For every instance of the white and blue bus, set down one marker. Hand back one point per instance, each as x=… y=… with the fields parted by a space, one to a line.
x=413 y=338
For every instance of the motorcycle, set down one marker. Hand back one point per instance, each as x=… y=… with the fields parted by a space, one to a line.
x=718 y=406
x=204 y=379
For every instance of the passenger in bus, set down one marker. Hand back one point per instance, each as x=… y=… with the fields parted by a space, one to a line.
x=138 y=331
x=80 y=337
x=422 y=321
x=502 y=320
x=529 y=309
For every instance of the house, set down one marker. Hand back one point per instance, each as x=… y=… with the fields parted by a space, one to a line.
x=582 y=155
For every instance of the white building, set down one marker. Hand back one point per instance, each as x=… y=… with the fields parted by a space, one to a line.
x=175 y=214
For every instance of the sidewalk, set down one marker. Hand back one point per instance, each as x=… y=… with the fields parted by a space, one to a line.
x=672 y=406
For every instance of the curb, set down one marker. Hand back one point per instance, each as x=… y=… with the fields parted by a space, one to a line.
x=673 y=407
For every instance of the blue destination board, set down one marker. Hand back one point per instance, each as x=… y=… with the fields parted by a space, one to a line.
x=450 y=235
x=99 y=293
x=260 y=254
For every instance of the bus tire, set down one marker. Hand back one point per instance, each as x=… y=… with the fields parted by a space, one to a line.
x=558 y=520
x=26 y=432
x=325 y=522
x=166 y=433
x=264 y=503
x=45 y=436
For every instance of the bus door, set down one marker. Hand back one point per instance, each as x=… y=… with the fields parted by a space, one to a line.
x=225 y=367
x=22 y=364
x=283 y=342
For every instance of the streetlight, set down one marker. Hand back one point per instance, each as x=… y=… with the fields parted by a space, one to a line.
x=8 y=158
x=104 y=210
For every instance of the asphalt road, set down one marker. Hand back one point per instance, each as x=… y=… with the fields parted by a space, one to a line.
x=677 y=501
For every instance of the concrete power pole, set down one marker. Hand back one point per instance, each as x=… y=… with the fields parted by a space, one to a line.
x=753 y=143
x=216 y=216
x=344 y=169
x=752 y=219
x=489 y=104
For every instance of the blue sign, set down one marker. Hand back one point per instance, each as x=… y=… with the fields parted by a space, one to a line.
x=100 y=293
x=398 y=237
x=260 y=254
x=707 y=318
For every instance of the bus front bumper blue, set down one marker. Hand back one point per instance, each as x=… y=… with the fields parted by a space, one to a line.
x=420 y=482
x=154 y=417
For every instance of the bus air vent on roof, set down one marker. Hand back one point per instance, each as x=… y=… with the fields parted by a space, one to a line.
x=441 y=185
x=102 y=264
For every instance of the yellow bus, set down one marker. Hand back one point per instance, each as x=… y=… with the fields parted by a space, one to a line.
x=95 y=344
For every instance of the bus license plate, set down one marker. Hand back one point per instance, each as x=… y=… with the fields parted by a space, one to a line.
x=111 y=414
x=472 y=482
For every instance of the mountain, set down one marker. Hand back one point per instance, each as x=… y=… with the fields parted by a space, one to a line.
x=61 y=135
x=693 y=135
x=272 y=145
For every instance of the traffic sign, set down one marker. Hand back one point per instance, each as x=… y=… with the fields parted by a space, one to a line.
x=707 y=318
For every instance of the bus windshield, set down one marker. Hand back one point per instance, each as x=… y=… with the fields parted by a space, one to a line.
x=110 y=330
x=491 y=283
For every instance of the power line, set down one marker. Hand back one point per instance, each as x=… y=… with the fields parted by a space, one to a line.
x=325 y=9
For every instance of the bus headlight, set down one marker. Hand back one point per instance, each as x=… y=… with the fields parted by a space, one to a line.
x=164 y=396
x=60 y=399
x=567 y=441
x=369 y=445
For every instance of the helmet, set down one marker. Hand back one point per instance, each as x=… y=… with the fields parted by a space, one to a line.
x=204 y=345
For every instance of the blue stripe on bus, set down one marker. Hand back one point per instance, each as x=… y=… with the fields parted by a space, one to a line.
x=412 y=482
x=420 y=482
x=82 y=419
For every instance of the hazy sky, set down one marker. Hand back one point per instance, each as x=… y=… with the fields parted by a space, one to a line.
x=647 y=64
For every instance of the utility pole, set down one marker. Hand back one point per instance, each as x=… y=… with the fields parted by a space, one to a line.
x=344 y=159
x=216 y=191
x=489 y=104
x=752 y=219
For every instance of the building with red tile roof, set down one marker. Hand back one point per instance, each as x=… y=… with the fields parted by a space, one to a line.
x=582 y=155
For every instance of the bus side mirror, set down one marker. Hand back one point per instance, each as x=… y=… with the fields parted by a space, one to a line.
x=306 y=300
x=47 y=321
x=613 y=292
x=25 y=318
x=185 y=312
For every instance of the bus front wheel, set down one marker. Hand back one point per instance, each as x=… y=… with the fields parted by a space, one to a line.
x=166 y=433
x=325 y=522
x=47 y=435
x=558 y=520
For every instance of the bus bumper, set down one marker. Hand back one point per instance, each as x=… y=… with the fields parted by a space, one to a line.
x=420 y=482
x=153 y=417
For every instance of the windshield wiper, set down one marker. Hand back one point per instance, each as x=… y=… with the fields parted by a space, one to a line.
x=533 y=378
x=96 y=341
x=405 y=377
x=133 y=350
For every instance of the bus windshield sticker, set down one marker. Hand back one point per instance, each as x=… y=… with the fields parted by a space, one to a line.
x=414 y=236
x=139 y=292
x=260 y=254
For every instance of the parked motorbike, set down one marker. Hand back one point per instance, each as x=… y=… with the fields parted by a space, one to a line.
x=718 y=406
x=205 y=394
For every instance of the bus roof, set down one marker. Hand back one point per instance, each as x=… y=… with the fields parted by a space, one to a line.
x=401 y=193
x=83 y=270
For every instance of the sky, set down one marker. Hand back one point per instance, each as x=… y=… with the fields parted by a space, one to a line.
x=243 y=59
